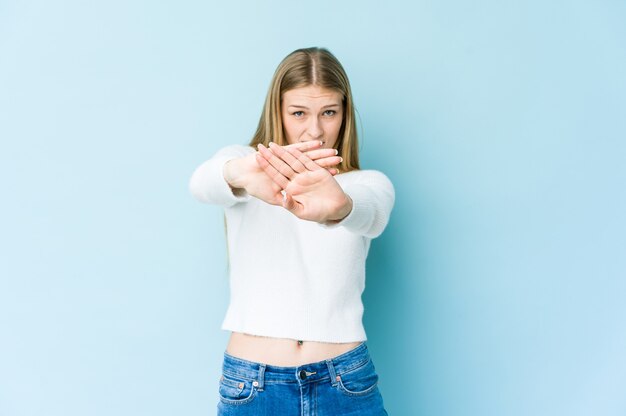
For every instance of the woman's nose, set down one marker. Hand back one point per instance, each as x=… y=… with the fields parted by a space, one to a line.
x=315 y=129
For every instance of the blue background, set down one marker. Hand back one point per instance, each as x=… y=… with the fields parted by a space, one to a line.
x=497 y=289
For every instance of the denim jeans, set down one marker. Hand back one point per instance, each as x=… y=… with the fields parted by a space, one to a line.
x=343 y=385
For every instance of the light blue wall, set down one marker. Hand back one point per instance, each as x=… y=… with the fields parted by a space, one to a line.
x=497 y=289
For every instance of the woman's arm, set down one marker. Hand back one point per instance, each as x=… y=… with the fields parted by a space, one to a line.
x=207 y=183
x=373 y=197
x=312 y=193
x=233 y=175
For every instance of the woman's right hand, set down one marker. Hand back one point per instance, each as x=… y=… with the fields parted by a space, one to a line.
x=245 y=172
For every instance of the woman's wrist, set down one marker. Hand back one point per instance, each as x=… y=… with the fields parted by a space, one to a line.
x=229 y=175
x=345 y=208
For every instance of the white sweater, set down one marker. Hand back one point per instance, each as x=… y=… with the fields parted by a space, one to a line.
x=292 y=278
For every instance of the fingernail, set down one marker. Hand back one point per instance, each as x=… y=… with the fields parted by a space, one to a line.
x=321 y=143
x=336 y=152
x=340 y=159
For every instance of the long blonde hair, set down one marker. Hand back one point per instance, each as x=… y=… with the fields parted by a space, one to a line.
x=303 y=68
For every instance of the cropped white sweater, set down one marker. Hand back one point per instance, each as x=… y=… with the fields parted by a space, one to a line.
x=292 y=278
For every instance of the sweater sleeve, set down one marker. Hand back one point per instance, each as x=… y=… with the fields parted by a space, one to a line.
x=373 y=196
x=207 y=183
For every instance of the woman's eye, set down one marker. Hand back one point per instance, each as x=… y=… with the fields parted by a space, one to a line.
x=330 y=112
x=298 y=113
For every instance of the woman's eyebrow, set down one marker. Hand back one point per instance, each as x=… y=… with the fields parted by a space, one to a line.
x=302 y=106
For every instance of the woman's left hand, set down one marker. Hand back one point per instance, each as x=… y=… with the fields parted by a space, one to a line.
x=311 y=191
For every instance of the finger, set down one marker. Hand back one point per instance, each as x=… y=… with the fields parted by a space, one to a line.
x=333 y=171
x=278 y=164
x=329 y=161
x=321 y=153
x=294 y=163
x=291 y=205
x=304 y=159
x=306 y=146
x=271 y=171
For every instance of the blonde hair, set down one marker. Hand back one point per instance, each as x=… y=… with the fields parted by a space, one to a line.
x=303 y=68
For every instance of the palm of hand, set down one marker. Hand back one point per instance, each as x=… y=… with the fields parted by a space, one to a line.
x=315 y=193
x=259 y=184
x=262 y=187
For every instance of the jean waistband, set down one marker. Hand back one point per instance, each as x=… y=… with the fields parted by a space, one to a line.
x=330 y=368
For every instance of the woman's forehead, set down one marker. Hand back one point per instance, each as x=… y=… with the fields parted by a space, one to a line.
x=312 y=94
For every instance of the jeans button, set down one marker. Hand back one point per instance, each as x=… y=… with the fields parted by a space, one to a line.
x=302 y=374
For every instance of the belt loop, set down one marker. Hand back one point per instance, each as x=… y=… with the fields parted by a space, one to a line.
x=261 y=376
x=331 y=371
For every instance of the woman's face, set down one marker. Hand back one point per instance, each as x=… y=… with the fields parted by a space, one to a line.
x=312 y=113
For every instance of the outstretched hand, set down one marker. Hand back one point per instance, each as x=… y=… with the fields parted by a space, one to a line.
x=310 y=190
x=245 y=173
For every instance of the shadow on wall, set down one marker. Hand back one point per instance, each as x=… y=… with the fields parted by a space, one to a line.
x=396 y=298
x=391 y=318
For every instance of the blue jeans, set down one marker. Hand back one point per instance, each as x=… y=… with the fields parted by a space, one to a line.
x=343 y=385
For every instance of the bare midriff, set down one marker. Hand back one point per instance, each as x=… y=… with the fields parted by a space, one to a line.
x=282 y=351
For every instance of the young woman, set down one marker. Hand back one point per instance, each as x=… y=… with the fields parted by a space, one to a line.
x=300 y=216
